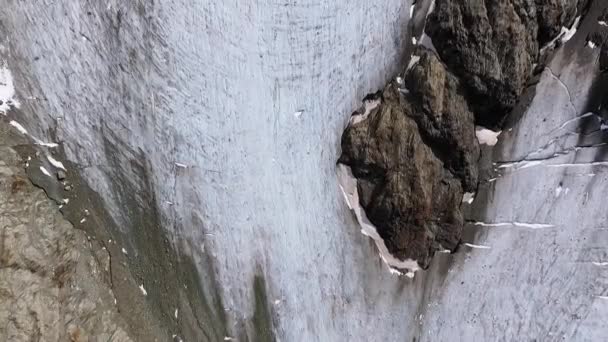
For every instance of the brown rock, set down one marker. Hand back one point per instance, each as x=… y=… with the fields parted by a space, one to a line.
x=407 y=191
x=492 y=45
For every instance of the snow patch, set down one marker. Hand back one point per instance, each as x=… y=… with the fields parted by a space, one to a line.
x=176 y=312
x=569 y=33
x=565 y=35
x=600 y=264
x=515 y=224
x=591 y=44
x=55 y=162
x=486 y=136
x=412 y=10
x=23 y=131
x=124 y=251
x=45 y=171
x=18 y=126
x=602 y=23
x=298 y=113
x=45 y=144
x=348 y=185
x=521 y=165
x=477 y=246
x=412 y=62
x=468 y=197
x=180 y=165
x=7 y=90
x=369 y=106
x=431 y=8
x=143 y=290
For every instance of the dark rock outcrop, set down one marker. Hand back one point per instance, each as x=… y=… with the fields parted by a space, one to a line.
x=493 y=45
x=412 y=157
x=443 y=116
x=416 y=154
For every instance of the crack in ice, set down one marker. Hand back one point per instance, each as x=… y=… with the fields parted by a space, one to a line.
x=514 y=224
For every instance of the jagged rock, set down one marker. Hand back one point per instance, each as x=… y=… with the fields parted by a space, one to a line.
x=53 y=286
x=443 y=117
x=412 y=156
x=492 y=46
x=61 y=175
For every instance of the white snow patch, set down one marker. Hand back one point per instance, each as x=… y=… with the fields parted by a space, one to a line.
x=486 y=136
x=399 y=80
x=7 y=90
x=600 y=264
x=45 y=144
x=143 y=290
x=602 y=23
x=477 y=246
x=55 y=162
x=348 y=184
x=298 y=113
x=431 y=8
x=591 y=44
x=558 y=191
x=569 y=33
x=228 y=338
x=45 y=171
x=414 y=40
x=565 y=35
x=66 y=200
x=412 y=62
x=277 y=302
x=18 y=126
x=602 y=297
x=183 y=166
x=412 y=10
x=515 y=224
x=124 y=251
x=83 y=220
x=468 y=197
x=23 y=131
x=176 y=312
x=521 y=165
x=369 y=106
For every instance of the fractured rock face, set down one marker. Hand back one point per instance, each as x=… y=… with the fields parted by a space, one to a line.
x=413 y=155
x=53 y=283
x=443 y=117
x=492 y=46
x=416 y=153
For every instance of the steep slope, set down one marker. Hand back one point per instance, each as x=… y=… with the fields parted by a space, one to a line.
x=54 y=281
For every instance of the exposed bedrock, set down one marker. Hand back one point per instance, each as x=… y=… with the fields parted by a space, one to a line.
x=493 y=46
x=413 y=156
x=412 y=147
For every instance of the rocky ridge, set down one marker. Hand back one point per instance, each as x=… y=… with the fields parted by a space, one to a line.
x=415 y=154
x=54 y=281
